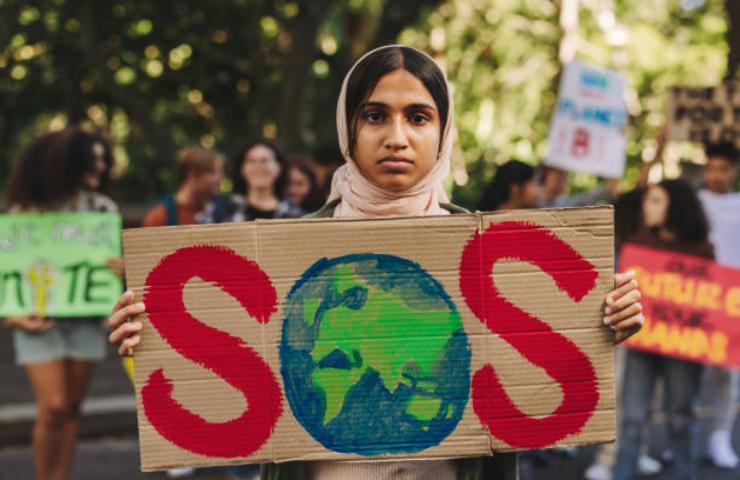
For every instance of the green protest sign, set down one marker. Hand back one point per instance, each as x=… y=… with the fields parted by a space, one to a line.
x=54 y=264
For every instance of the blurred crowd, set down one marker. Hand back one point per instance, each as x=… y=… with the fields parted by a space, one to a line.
x=69 y=170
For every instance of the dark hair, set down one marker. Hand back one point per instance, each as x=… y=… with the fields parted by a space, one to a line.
x=80 y=159
x=627 y=212
x=496 y=192
x=303 y=163
x=329 y=154
x=685 y=217
x=723 y=149
x=372 y=68
x=26 y=185
x=51 y=169
x=240 y=183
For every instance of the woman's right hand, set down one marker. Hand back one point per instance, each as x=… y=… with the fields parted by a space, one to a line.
x=125 y=331
x=31 y=323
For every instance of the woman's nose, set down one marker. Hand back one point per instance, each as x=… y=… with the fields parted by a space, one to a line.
x=396 y=139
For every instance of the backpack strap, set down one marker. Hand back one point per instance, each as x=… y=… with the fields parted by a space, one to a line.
x=220 y=208
x=171 y=208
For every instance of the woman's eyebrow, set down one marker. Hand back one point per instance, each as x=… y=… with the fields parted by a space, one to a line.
x=374 y=104
x=420 y=106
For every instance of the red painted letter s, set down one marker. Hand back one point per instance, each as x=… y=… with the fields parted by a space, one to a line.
x=236 y=363
x=532 y=337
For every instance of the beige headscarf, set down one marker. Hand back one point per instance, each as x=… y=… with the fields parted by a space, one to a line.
x=361 y=198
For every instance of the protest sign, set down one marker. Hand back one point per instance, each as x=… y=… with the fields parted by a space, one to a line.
x=54 y=264
x=691 y=306
x=587 y=133
x=429 y=337
x=705 y=115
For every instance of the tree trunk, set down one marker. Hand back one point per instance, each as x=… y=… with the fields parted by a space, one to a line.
x=292 y=103
x=733 y=37
x=397 y=15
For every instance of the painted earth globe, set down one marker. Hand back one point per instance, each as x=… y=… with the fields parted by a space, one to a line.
x=373 y=355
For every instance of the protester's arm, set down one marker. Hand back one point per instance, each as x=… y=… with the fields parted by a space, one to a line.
x=30 y=323
x=645 y=168
x=623 y=311
x=124 y=329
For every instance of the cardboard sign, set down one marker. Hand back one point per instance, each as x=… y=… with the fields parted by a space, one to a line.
x=431 y=337
x=705 y=115
x=54 y=264
x=588 y=126
x=691 y=306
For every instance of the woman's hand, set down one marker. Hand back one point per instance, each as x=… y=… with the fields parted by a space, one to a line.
x=125 y=333
x=115 y=265
x=623 y=309
x=31 y=323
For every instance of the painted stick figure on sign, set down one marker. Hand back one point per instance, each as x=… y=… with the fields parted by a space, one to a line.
x=41 y=278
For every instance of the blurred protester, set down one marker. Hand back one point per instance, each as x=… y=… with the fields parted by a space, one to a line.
x=511 y=187
x=328 y=158
x=672 y=219
x=60 y=172
x=627 y=223
x=199 y=173
x=722 y=208
x=301 y=187
x=259 y=175
x=552 y=186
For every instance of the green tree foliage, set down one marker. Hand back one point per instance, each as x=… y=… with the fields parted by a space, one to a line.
x=502 y=57
x=162 y=75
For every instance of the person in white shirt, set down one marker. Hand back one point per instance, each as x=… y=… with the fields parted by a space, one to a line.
x=722 y=207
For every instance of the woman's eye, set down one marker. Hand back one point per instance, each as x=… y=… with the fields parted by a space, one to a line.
x=374 y=116
x=419 y=118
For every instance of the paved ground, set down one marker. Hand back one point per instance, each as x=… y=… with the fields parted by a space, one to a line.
x=118 y=459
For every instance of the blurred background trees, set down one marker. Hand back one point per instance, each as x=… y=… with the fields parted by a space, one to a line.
x=161 y=75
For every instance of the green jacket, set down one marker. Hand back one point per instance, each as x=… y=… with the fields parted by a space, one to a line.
x=498 y=467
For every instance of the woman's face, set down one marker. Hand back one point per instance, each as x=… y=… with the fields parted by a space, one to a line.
x=655 y=207
x=91 y=179
x=299 y=186
x=260 y=168
x=398 y=133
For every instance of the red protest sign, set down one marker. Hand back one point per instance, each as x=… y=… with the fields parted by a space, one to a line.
x=691 y=306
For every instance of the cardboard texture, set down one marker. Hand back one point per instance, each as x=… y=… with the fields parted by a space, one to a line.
x=433 y=337
x=705 y=115
x=587 y=129
x=54 y=264
x=691 y=305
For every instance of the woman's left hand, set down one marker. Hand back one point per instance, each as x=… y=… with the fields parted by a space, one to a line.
x=623 y=312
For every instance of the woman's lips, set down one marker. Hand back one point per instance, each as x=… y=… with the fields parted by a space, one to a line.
x=396 y=164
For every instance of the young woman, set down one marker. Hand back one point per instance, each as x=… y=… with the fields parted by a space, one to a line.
x=259 y=175
x=60 y=172
x=673 y=220
x=396 y=129
x=301 y=187
x=512 y=187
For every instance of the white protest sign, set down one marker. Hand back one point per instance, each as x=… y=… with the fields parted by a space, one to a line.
x=587 y=130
